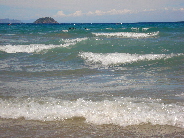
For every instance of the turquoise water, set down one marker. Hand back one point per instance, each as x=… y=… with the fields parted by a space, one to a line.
x=91 y=75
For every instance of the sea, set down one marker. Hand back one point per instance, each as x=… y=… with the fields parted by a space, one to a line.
x=89 y=80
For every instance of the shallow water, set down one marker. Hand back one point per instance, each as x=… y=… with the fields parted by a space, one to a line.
x=76 y=127
x=96 y=80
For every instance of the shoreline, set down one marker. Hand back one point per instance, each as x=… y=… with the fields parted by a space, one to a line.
x=78 y=128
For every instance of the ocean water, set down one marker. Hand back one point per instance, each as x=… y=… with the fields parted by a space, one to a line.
x=92 y=80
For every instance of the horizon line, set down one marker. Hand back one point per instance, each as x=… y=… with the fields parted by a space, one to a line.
x=99 y=22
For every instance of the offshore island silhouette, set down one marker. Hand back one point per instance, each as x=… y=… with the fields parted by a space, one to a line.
x=45 y=20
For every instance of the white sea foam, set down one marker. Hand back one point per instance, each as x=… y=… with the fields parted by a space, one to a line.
x=26 y=48
x=74 y=40
x=121 y=58
x=127 y=34
x=135 y=29
x=120 y=111
x=145 y=29
x=180 y=95
x=37 y=47
x=65 y=31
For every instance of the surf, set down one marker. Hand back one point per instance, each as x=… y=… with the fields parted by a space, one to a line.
x=127 y=34
x=121 y=58
x=122 y=111
x=35 y=48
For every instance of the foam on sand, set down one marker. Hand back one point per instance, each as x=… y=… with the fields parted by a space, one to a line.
x=120 y=111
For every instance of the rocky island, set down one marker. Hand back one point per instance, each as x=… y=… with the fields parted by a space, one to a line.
x=45 y=20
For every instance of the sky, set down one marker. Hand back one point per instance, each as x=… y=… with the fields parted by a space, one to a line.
x=94 y=11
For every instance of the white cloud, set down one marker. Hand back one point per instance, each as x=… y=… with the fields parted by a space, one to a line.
x=115 y=12
x=179 y=9
x=96 y=12
x=60 y=13
x=77 y=13
x=99 y=12
x=170 y=9
x=90 y=13
x=112 y=12
x=149 y=10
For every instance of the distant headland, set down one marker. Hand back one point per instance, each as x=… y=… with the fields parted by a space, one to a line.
x=7 y=20
x=45 y=20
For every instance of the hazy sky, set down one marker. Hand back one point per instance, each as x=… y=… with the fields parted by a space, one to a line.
x=94 y=10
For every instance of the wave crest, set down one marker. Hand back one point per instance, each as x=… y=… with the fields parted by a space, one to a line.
x=38 y=47
x=121 y=58
x=127 y=34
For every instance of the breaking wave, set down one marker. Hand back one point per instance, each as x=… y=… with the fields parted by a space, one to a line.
x=127 y=34
x=38 y=47
x=120 y=111
x=121 y=58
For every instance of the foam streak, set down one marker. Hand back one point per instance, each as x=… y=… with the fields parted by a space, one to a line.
x=127 y=34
